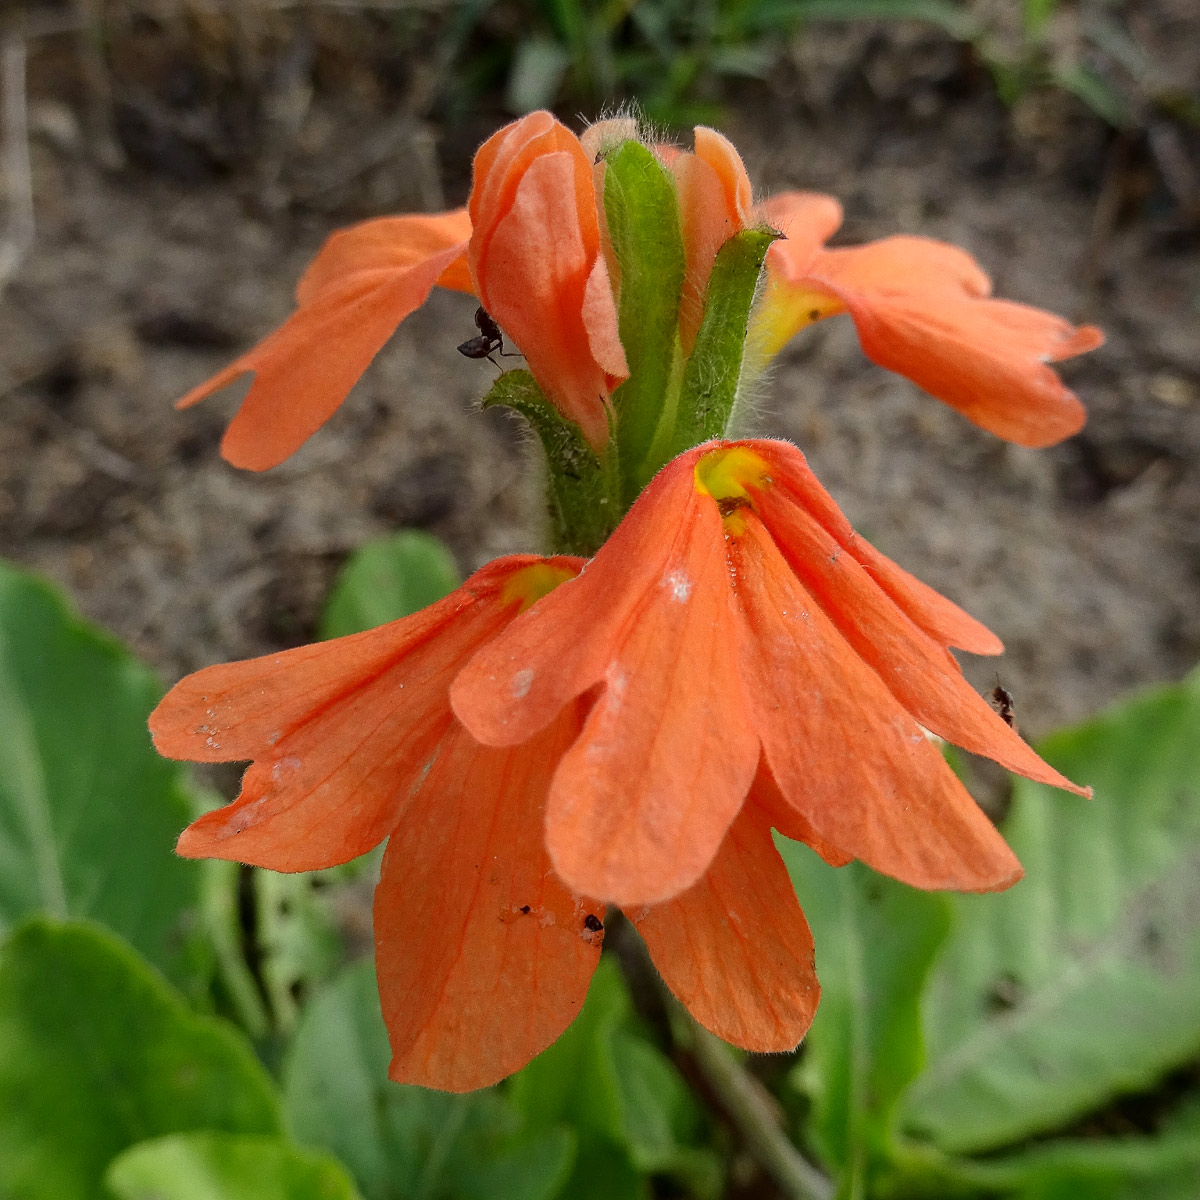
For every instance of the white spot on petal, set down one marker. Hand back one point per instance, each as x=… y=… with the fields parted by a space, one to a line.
x=284 y=767
x=678 y=584
x=522 y=681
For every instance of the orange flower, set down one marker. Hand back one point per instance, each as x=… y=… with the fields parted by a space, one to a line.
x=483 y=955
x=528 y=246
x=734 y=616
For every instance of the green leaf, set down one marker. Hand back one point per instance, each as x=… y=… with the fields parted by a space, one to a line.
x=622 y=1095
x=956 y=19
x=1083 y=980
x=1097 y=93
x=99 y=1052
x=225 y=1166
x=404 y=1143
x=89 y=813
x=386 y=579
x=713 y=372
x=875 y=943
x=1133 y=1168
x=642 y=211
x=584 y=492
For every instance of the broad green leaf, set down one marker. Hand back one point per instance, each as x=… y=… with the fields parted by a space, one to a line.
x=875 y=942
x=404 y=1143
x=1083 y=980
x=89 y=813
x=297 y=940
x=571 y=1080
x=226 y=1166
x=99 y=1052
x=493 y=1162
x=642 y=212
x=386 y=579
x=1131 y=1168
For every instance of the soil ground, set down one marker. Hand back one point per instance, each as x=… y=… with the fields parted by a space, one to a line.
x=144 y=280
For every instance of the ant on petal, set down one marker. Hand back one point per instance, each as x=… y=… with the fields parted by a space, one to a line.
x=489 y=341
x=1002 y=702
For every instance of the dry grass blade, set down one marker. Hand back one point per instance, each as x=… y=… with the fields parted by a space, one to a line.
x=18 y=176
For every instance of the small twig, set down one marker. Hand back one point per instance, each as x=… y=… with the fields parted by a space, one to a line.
x=90 y=37
x=751 y=1109
x=743 y=1100
x=18 y=174
x=1107 y=210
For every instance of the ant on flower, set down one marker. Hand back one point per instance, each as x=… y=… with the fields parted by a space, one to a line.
x=489 y=341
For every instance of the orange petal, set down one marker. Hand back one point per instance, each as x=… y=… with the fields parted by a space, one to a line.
x=807 y=221
x=562 y=646
x=388 y=244
x=306 y=368
x=500 y=166
x=534 y=269
x=922 y=310
x=719 y=152
x=641 y=801
x=709 y=217
x=788 y=819
x=339 y=732
x=944 y=621
x=844 y=753
x=735 y=948
x=920 y=673
x=600 y=322
x=501 y=161
x=483 y=956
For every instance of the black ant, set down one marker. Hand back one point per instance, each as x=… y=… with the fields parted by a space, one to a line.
x=1002 y=702
x=490 y=340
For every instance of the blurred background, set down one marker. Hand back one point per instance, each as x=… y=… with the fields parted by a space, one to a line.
x=169 y=166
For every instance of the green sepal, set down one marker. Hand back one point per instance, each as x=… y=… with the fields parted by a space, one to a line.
x=642 y=208
x=714 y=369
x=583 y=489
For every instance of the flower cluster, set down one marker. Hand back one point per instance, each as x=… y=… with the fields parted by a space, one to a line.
x=721 y=656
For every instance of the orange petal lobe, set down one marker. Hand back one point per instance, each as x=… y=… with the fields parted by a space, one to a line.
x=483 y=956
x=387 y=244
x=788 y=819
x=919 y=672
x=339 y=732
x=843 y=751
x=942 y=620
x=922 y=310
x=641 y=801
x=709 y=217
x=807 y=221
x=306 y=368
x=521 y=680
x=719 y=152
x=534 y=268
x=735 y=948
